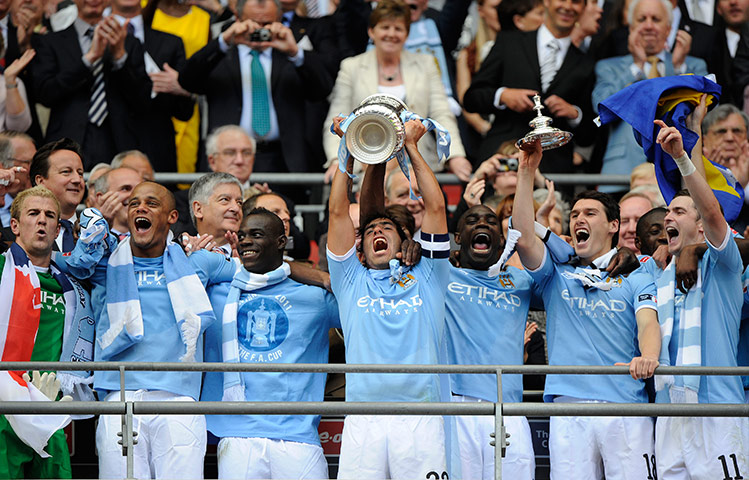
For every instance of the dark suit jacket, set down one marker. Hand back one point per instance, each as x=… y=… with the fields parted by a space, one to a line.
x=721 y=63
x=155 y=127
x=63 y=83
x=513 y=63
x=216 y=75
x=615 y=42
x=13 y=52
x=321 y=32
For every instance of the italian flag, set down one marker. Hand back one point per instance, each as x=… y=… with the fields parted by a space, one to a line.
x=33 y=430
x=20 y=307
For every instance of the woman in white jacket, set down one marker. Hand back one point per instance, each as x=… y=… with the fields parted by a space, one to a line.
x=412 y=77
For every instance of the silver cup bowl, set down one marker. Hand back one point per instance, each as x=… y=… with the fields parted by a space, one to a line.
x=377 y=132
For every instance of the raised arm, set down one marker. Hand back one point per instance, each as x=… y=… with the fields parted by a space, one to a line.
x=372 y=192
x=341 y=233
x=529 y=247
x=434 y=202
x=713 y=222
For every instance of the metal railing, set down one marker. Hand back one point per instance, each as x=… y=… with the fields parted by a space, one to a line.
x=500 y=409
x=442 y=178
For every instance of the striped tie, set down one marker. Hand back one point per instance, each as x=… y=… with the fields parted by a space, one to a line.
x=97 y=111
x=260 y=107
x=549 y=65
x=313 y=8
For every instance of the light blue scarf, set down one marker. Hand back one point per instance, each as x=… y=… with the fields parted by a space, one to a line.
x=243 y=281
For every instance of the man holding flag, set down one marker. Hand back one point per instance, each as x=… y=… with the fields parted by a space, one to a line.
x=699 y=328
x=649 y=26
x=44 y=316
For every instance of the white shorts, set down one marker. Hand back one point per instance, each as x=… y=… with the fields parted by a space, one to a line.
x=263 y=458
x=169 y=446
x=398 y=447
x=477 y=456
x=700 y=448
x=589 y=447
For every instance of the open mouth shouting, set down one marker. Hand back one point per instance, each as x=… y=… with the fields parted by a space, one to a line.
x=582 y=236
x=142 y=224
x=379 y=244
x=481 y=242
x=673 y=233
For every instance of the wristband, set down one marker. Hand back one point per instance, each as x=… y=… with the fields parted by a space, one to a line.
x=11 y=85
x=686 y=167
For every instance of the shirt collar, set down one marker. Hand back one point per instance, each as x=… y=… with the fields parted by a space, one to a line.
x=137 y=23
x=603 y=261
x=245 y=51
x=81 y=26
x=545 y=36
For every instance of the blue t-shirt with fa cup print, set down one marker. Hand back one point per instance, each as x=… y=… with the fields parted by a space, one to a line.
x=282 y=323
x=393 y=321
x=592 y=326
x=486 y=318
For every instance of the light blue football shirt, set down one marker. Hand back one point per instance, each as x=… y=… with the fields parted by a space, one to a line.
x=722 y=299
x=161 y=341
x=393 y=321
x=283 y=323
x=592 y=326
x=486 y=326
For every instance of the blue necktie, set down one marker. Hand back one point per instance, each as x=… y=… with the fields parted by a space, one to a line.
x=97 y=110
x=68 y=241
x=260 y=108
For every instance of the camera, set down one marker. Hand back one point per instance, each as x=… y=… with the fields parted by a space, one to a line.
x=508 y=164
x=261 y=35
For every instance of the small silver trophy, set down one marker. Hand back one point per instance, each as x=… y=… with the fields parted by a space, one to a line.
x=377 y=131
x=550 y=137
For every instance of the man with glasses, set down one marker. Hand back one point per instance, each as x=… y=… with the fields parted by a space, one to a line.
x=725 y=142
x=230 y=150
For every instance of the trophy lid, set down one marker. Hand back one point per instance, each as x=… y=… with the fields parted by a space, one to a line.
x=549 y=136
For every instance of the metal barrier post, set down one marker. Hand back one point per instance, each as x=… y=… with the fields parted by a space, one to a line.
x=499 y=430
x=126 y=430
x=128 y=439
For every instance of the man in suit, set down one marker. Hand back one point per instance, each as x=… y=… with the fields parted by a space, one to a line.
x=522 y=64
x=164 y=56
x=92 y=77
x=273 y=110
x=318 y=35
x=58 y=167
x=649 y=24
x=731 y=30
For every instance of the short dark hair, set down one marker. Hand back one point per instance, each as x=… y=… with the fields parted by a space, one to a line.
x=507 y=9
x=378 y=216
x=249 y=205
x=645 y=220
x=40 y=162
x=610 y=207
x=391 y=10
x=277 y=227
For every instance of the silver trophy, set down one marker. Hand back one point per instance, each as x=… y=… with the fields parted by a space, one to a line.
x=550 y=137
x=377 y=132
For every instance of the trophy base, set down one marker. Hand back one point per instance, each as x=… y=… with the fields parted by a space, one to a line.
x=553 y=138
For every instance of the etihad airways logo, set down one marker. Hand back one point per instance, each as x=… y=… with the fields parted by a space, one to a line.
x=593 y=306
x=385 y=307
x=481 y=295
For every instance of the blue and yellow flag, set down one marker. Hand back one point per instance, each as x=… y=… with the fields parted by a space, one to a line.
x=671 y=99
